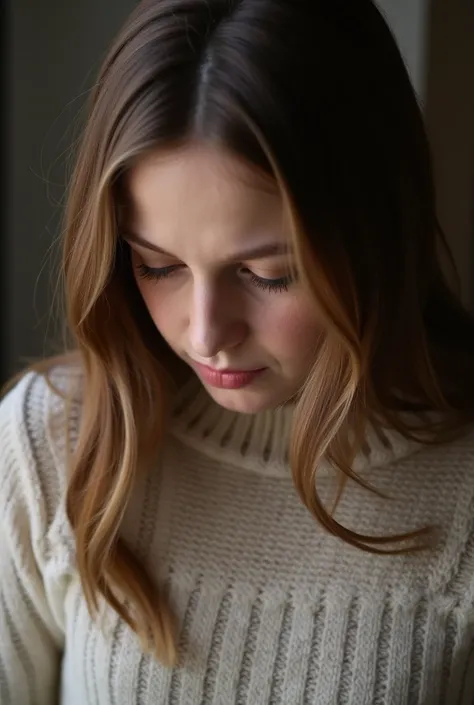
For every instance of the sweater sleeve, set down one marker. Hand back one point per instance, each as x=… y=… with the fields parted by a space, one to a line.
x=31 y=586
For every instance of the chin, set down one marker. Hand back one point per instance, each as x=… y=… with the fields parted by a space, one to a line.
x=245 y=401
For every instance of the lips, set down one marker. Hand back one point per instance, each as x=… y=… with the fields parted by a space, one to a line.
x=227 y=379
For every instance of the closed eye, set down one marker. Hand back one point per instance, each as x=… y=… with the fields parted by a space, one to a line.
x=157 y=273
x=275 y=285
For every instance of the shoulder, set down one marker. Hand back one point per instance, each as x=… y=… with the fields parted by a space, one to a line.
x=449 y=492
x=39 y=421
x=39 y=391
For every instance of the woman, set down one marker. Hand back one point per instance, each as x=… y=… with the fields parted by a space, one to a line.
x=252 y=479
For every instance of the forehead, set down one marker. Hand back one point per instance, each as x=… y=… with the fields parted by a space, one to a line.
x=199 y=196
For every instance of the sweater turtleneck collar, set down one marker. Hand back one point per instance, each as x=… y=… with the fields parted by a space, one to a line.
x=260 y=442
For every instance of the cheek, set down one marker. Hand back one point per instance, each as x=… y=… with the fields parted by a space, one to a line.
x=292 y=331
x=162 y=309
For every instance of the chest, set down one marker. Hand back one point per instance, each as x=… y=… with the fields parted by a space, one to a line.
x=239 y=646
x=270 y=609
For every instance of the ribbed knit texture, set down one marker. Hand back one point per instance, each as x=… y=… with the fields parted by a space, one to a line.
x=270 y=608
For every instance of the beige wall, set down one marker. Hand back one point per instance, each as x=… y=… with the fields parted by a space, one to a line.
x=408 y=21
x=450 y=120
x=53 y=54
x=436 y=38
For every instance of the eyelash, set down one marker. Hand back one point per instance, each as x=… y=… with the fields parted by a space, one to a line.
x=273 y=285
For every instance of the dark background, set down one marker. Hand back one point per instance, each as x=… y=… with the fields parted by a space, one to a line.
x=50 y=53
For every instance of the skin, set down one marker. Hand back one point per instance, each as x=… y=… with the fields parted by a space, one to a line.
x=206 y=210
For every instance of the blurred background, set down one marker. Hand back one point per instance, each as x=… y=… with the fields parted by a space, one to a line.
x=50 y=53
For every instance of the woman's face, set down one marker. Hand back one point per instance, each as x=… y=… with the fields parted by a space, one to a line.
x=211 y=257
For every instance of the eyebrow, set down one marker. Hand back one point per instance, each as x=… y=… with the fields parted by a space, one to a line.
x=253 y=253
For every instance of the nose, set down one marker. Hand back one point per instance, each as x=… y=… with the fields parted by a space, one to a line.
x=216 y=323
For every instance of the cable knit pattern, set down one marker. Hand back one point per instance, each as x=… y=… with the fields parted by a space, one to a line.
x=271 y=609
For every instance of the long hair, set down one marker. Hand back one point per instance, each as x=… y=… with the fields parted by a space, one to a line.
x=315 y=94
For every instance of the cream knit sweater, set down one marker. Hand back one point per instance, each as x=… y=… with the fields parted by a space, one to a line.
x=271 y=609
